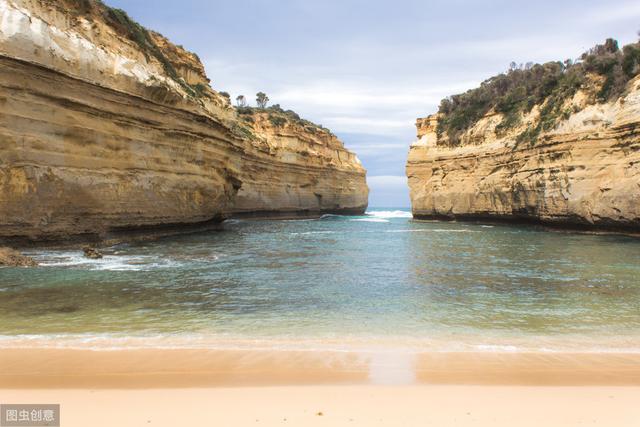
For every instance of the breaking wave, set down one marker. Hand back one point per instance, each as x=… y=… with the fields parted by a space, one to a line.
x=370 y=220
x=107 y=263
x=390 y=214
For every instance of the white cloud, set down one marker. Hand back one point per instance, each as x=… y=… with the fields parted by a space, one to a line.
x=378 y=148
x=350 y=104
x=388 y=191
x=369 y=78
x=387 y=181
x=354 y=93
x=610 y=13
x=367 y=125
x=363 y=83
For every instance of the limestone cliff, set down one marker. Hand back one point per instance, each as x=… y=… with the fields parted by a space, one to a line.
x=322 y=176
x=106 y=126
x=582 y=169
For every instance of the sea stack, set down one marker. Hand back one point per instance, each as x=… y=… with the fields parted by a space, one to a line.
x=557 y=143
x=107 y=126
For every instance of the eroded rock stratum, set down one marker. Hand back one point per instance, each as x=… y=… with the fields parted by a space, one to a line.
x=105 y=126
x=568 y=162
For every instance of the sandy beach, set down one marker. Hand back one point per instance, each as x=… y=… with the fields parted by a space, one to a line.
x=361 y=405
x=180 y=368
x=241 y=387
x=330 y=213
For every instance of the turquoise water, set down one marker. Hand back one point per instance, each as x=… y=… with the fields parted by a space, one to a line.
x=377 y=278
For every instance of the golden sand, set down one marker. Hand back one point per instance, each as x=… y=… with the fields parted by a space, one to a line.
x=359 y=405
x=180 y=387
x=149 y=368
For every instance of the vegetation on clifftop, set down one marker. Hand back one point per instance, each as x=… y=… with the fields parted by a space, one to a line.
x=120 y=21
x=279 y=118
x=548 y=85
x=145 y=39
x=276 y=115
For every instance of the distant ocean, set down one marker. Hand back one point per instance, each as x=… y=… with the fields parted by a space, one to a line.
x=375 y=280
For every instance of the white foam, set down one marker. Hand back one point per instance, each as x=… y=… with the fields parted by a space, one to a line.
x=308 y=233
x=432 y=230
x=390 y=214
x=327 y=216
x=370 y=220
x=376 y=346
x=107 y=263
x=494 y=348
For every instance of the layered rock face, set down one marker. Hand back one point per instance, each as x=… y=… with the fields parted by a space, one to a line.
x=585 y=172
x=107 y=126
x=321 y=176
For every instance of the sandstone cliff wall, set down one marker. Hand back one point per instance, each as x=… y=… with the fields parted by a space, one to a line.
x=107 y=126
x=585 y=172
x=302 y=170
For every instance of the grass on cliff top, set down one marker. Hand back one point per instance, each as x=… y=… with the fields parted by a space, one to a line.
x=279 y=117
x=548 y=85
x=120 y=21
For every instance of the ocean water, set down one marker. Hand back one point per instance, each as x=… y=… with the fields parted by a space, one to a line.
x=377 y=280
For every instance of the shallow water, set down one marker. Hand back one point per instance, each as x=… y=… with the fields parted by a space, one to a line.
x=380 y=278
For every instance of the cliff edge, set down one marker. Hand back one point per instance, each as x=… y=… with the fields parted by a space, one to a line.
x=107 y=126
x=557 y=143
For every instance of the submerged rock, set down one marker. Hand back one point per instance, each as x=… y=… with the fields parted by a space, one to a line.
x=92 y=253
x=13 y=258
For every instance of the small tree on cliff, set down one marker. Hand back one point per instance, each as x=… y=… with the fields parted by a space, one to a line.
x=241 y=101
x=262 y=99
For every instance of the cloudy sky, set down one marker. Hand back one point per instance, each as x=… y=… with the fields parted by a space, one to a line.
x=368 y=68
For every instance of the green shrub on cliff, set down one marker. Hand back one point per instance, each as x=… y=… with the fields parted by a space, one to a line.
x=278 y=117
x=84 y=6
x=245 y=110
x=549 y=85
x=120 y=21
x=277 y=121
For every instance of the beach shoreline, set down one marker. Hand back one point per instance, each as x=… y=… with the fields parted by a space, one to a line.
x=169 y=387
x=55 y=368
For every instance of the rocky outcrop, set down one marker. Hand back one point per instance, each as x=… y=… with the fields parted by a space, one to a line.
x=105 y=126
x=92 y=253
x=585 y=172
x=12 y=258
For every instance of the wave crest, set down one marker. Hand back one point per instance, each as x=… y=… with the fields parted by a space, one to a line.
x=390 y=214
x=370 y=220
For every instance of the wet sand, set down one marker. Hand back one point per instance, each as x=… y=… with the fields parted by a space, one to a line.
x=177 y=368
x=242 y=387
